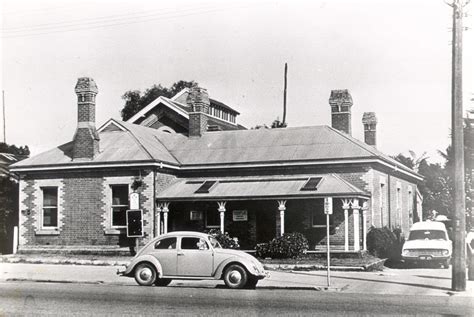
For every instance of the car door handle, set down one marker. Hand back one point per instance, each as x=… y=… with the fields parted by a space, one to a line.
x=180 y=253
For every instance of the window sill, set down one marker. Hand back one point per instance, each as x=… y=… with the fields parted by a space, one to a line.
x=47 y=232
x=114 y=230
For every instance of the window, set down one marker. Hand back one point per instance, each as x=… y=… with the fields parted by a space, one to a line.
x=50 y=207
x=119 y=205
x=205 y=187
x=312 y=183
x=189 y=243
x=167 y=243
x=213 y=219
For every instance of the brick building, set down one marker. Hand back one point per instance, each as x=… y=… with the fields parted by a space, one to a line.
x=195 y=168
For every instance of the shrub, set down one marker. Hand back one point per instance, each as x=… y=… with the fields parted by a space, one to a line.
x=290 y=245
x=384 y=243
x=224 y=239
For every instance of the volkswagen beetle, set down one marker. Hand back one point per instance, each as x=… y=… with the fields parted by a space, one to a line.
x=192 y=255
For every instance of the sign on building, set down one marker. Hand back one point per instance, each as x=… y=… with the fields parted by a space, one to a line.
x=239 y=215
x=134 y=201
x=134 y=223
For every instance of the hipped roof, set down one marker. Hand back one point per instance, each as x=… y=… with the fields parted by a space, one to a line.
x=134 y=143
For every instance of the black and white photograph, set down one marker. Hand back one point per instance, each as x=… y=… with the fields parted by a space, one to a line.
x=237 y=158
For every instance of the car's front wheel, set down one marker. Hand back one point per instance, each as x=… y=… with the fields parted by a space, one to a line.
x=235 y=276
x=145 y=274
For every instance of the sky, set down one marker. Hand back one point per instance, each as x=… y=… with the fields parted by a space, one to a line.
x=394 y=56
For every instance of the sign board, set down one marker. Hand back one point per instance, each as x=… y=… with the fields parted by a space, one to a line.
x=134 y=223
x=239 y=215
x=328 y=205
x=134 y=202
x=195 y=215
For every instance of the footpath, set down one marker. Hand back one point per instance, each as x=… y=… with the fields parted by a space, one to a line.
x=420 y=281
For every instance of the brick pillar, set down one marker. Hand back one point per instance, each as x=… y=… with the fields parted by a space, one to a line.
x=86 y=138
x=341 y=103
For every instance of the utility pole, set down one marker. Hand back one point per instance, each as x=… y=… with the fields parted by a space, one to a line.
x=4 y=130
x=284 y=97
x=458 y=279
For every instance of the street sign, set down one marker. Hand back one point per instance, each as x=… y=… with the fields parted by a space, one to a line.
x=134 y=223
x=328 y=205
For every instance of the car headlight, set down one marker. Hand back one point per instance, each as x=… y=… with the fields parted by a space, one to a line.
x=445 y=252
x=405 y=252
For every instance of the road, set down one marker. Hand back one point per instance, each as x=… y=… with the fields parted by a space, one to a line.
x=35 y=298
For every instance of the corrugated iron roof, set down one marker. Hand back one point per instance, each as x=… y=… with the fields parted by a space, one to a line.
x=139 y=143
x=235 y=188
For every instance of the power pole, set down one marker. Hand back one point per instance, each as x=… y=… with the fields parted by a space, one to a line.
x=284 y=97
x=4 y=130
x=458 y=281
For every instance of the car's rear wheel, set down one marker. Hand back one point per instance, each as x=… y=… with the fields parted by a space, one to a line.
x=145 y=274
x=235 y=276
x=163 y=282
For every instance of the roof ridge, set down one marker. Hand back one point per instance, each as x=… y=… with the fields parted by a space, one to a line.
x=138 y=142
x=166 y=148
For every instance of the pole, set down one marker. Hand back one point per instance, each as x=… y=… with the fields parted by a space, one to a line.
x=15 y=239
x=284 y=95
x=328 y=254
x=4 y=129
x=458 y=282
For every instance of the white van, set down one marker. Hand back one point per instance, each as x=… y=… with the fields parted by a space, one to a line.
x=428 y=241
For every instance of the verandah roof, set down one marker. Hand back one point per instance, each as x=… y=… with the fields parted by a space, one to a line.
x=256 y=188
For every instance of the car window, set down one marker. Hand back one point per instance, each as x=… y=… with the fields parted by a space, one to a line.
x=188 y=243
x=427 y=234
x=167 y=243
x=215 y=244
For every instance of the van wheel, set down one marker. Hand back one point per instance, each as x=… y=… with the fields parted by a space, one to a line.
x=235 y=276
x=163 y=282
x=145 y=274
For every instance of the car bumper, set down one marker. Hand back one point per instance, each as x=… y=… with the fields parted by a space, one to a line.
x=425 y=258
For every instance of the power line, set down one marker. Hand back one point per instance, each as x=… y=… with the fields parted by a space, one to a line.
x=104 y=24
x=105 y=19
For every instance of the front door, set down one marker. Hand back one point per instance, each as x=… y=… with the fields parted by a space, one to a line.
x=195 y=257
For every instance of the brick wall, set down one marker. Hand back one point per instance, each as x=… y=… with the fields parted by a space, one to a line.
x=84 y=208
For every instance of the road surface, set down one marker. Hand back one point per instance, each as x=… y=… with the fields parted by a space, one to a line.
x=36 y=298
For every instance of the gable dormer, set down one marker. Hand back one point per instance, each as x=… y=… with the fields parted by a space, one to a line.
x=172 y=114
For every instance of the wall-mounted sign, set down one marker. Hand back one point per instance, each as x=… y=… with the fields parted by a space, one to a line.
x=195 y=215
x=134 y=223
x=134 y=202
x=239 y=215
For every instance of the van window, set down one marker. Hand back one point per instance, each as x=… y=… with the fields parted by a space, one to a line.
x=427 y=234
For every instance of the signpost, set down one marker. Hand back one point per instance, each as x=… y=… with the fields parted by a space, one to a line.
x=328 y=211
x=134 y=223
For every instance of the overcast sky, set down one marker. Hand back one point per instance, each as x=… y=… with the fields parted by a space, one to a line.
x=393 y=56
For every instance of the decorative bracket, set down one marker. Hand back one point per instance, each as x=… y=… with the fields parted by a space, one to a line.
x=281 y=205
x=221 y=205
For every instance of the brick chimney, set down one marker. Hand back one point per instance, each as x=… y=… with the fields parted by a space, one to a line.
x=86 y=138
x=369 y=120
x=341 y=103
x=198 y=100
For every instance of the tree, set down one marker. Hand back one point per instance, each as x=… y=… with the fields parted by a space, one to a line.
x=9 y=199
x=136 y=101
